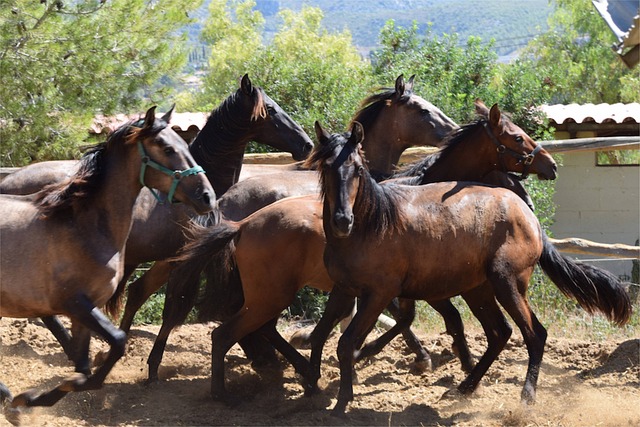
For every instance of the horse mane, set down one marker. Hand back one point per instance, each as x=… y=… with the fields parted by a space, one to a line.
x=449 y=144
x=377 y=207
x=371 y=106
x=59 y=199
x=228 y=120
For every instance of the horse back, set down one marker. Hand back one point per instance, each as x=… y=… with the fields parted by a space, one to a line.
x=285 y=242
x=34 y=177
x=452 y=234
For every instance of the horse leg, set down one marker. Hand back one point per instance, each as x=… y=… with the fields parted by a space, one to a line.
x=483 y=305
x=299 y=362
x=251 y=317
x=259 y=350
x=75 y=345
x=455 y=328
x=62 y=336
x=514 y=301
x=403 y=311
x=338 y=306
x=82 y=310
x=80 y=341
x=141 y=289
x=175 y=311
x=370 y=308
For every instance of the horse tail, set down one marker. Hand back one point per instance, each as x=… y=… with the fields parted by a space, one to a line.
x=211 y=253
x=594 y=289
x=113 y=307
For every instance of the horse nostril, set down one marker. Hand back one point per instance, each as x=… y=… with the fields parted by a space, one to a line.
x=206 y=198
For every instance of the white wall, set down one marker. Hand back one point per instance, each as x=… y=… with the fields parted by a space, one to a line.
x=598 y=203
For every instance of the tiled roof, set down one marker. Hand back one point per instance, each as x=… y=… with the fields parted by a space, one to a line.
x=179 y=121
x=593 y=113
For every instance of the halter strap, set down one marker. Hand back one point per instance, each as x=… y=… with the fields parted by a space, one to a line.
x=526 y=159
x=176 y=174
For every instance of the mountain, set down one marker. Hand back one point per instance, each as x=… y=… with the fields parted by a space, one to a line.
x=512 y=23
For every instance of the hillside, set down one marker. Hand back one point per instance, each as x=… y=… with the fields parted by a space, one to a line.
x=510 y=22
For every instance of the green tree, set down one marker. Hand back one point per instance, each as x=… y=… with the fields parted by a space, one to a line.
x=575 y=59
x=450 y=75
x=311 y=73
x=62 y=62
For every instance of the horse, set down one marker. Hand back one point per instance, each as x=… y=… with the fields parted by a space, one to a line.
x=278 y=250
x=62 y=249
x=447 y=239
x=412 y=121
x=248 y=114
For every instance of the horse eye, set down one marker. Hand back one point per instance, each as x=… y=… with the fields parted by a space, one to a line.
x=360 y=170
x=169 y=151
x=519 y=139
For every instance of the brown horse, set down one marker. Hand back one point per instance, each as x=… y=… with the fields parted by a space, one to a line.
x=446 y=239
x=278 y=250
x=395 y=119
x=248 y=114
x=62 y=249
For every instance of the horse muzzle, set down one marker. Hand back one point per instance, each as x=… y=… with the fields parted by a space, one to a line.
x=342 y=225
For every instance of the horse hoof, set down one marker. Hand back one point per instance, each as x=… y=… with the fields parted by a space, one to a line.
x=339 y=410
x=13 y=415
x=528 y=397
x=73 y=382
x=22 y=400
x=451 y=394
x=422 y=366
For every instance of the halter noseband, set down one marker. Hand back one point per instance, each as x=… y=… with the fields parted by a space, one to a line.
x=526 y=159
x=176 y=174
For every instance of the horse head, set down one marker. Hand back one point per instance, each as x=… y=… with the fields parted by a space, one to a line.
x=514 y=149
x=396 y=119
x=341 y=168
x=270 y=124
x=167 y=164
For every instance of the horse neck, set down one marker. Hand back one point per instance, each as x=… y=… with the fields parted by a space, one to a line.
x=466 y=160
x=219 y=149
x=111 y=211
x=383 y=153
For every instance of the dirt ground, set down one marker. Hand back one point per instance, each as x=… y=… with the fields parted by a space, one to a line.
x=582 y=383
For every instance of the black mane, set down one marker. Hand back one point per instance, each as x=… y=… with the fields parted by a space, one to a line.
x=59 y=199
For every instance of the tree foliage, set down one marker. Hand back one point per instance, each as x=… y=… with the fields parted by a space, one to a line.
x=63 y=62
x=317 y=75
x=576 y=61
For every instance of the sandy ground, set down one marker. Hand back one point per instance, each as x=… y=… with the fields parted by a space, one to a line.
x=582 y=383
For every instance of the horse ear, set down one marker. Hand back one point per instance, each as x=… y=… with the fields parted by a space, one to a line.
x=322 y=135
x=409 y=85
x=245 y=84
x=150 y=117
x=167 y=116
x=357 y=133
x=494 y=115
x=400 y=86
x=481 y=109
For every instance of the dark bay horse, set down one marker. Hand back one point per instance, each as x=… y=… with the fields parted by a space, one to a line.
x=62 y=249
x=445 y=239
x=395 y=119
x=278 y=250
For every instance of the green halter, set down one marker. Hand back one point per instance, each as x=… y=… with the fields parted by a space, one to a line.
x=177 y=175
